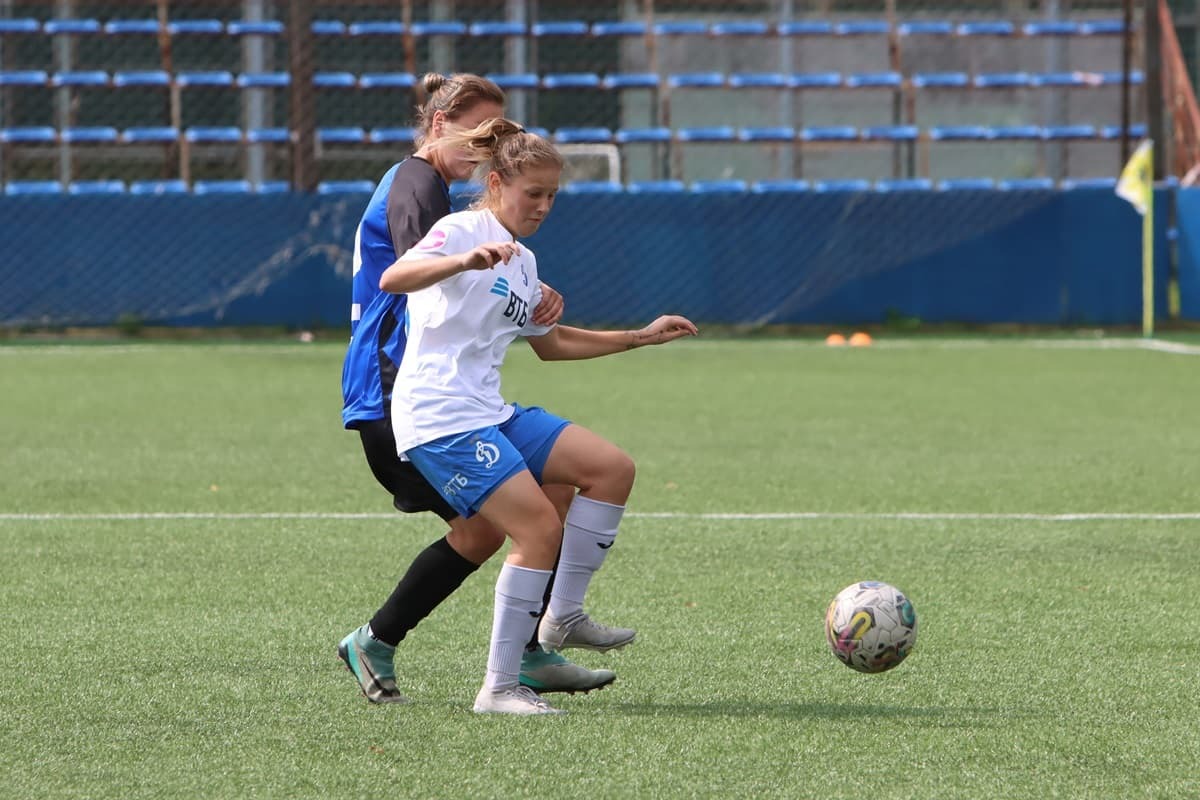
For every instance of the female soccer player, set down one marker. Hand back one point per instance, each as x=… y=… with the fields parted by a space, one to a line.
x=470 y=286
x=409 y=199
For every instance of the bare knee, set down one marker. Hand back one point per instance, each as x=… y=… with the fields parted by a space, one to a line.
x=474 y=539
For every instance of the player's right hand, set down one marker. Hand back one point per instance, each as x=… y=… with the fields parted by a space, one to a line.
x=486 y=256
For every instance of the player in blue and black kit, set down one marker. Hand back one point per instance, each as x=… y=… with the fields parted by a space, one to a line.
x=411 y=197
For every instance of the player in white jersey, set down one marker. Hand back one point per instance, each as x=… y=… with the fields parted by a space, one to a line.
x=470 y=286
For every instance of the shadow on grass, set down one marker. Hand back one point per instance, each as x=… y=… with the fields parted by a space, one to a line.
x=936 y=715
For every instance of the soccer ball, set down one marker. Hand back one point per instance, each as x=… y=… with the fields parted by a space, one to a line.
x=871 y=626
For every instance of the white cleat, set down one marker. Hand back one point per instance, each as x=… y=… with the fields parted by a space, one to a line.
x=583 y=632
x=519 y=700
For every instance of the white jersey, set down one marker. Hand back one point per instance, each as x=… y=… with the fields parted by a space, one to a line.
x=458 y=331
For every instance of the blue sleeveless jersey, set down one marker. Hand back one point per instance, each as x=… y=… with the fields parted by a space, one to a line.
x=419 y=198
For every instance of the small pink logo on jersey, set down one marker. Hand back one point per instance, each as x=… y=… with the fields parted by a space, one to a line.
x=433 y=240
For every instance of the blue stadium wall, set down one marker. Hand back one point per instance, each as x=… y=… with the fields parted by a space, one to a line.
x=1042 y=257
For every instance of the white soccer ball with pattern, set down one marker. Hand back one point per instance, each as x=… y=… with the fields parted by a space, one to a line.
x=871 y=626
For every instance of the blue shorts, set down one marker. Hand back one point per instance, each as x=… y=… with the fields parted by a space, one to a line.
x=467 y=467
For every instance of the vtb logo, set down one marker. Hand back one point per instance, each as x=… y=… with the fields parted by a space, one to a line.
x=517 y=309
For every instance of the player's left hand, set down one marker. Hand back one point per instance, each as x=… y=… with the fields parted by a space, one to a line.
x=550 y=310
x=667 y=328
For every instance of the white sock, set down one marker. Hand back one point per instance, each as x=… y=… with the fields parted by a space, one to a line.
x=588 y=534
x=519 y=593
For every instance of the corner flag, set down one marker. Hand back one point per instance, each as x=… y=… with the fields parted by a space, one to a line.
x=1136 y=185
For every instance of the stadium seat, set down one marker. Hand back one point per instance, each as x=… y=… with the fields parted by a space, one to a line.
x=759 y=80
x=1137 y=131
x=13 y=188
x=1088 y=183
x=572 y=80
x=386 y=80
x=1102 y=27
x=266 y=27
x=718 y=187
x=392 y=136
x=85 y=78
x=335 y=80
x=328 y=27
x=345 y=135
x=815 y=80
x=222 y=187
x=439 y=28
x=158 y=187
x=211 y=78
x=152 y=78
x=96 y=187
x=583 y=136
x=1014 y=132
x=641 y=135
x=891 y=133
x=872 y=27
x=681 y=28
x=1002 y=80
x=717 y=133
x=780 y=185
x=740 y=29
x=592 y=187
x=20 y=25
x=656 y=187
x=93 y=135
x=345 y=187
x=1058 y=27
x=264 y=80
x=632 y=80
x=376 y=28
x=497 y=29
x=1069 y=132
x=196 y=27
x=28 y=135
x=273 y=187
x=829 y=133
x=565 y=28
x=958 y=133
x=874 y=80
x=805 y=28
x=268 y=136
x=203 y=134
x=925 y=28
x=994 y=28
x=781 y=134
x=696 y=80
x=1025 y=184
x=23 y=77
x=941 y=80
x=966 y=184
x=903 y=185
x=618 y=29
x=71 y=27
x=123 y=27
x=150 y=135
x=843 y=185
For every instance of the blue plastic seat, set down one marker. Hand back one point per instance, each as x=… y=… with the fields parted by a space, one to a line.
x=41 y=134
x=216 y=78
x=335 y=80
x=618 y=29
x=196 y=27
x=90 y=135
x=72 y=27
x=392 y=136
x=328 y=27
x=84 y=78
x=1137 y=131
x=537 y=130
x=1070 y=132
x=20 y=25
x=571 y=80
x=903 y=185
x=1051 y=28
x=593 y=187
x=719 y=186
x=583 y=136
x=23 y=77
x=122 y=27
x=696 y=80
x=1002 y=80
x=781 y=133
x=97 y=187
x=32 y=187
x=1015 y=132
x=681 y=28
x=161 y=134
x=740 y=29
x=941 y=80
x=1102 y=27
x=926 y=28
x=759 y=80
x=213 y=134
x=891 y=133
x=958 y=133
x=264 y=80
x=376 y=28
x=966 y=184
x=992 y=28
x=268 y=136
x=264 y=27
x=1136 y=77
x=631 y=80
x=341 y=135
x=805 y=28
x=815 y=80
x=386 y=80
x=871 y=80
x=871 y=27
x=1088 y=183
x=564 y=28
x=158 y=187
x=1025 y=184
x=714 y=133
x=151 y=78
x=439 y=28
x=656 y=187
x=1058 y=79
x=345 y=187
x=640 y=135
x=497 y=29
x=222 y=187
x=780 y=185
x=843 y=185
x=273 y=187
x=522 y=80
x=829 y=133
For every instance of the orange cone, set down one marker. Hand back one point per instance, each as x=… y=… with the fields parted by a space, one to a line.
x=835 y=340
x=860 y=339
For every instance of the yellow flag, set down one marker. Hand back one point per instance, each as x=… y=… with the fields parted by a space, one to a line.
x=1136 y=183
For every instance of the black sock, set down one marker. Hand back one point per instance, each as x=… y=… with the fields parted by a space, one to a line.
x=532 y=644
x=433 y=576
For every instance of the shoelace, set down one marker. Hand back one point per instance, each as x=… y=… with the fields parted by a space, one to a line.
x=529 y=695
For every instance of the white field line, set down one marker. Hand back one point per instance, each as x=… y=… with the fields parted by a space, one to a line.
x=729 y=516
x=918 y=343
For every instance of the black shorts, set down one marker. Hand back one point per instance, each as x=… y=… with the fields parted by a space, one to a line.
x=410 y=491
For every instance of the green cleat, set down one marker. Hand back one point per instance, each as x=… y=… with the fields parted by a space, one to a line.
x=371 y=663
x=544 y=671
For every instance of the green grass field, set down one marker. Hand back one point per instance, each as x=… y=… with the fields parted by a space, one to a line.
x=186 y=532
